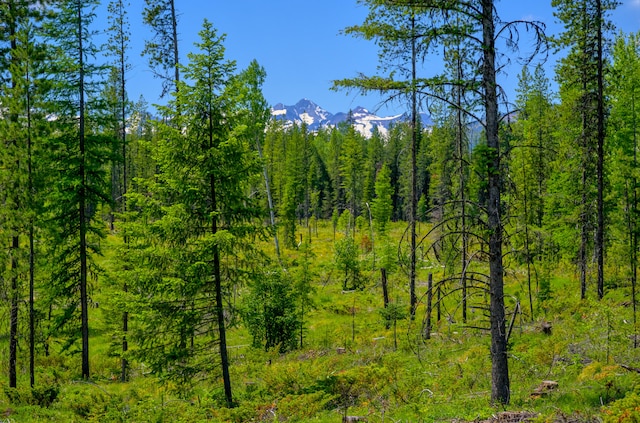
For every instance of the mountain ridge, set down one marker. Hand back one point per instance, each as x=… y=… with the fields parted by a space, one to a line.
x=315 y=117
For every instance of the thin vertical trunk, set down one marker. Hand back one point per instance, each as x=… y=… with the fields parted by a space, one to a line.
x=462 y=180
x=385 y=294
x=584 y=233
x=633 y=230
x=414 y=170
x=217 y=277
x=600 y=158
x=32 y=255
x=32 y=314
x=586 y=161
x=630 y=209
x=123 y=138
x=500 y=391
x=527 y=252
x=13 y=319
x=176 y=57
x=82 y=205
x=427 y=326
x=15 y=240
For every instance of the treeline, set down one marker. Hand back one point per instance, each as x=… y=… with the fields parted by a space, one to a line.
x=186 y=194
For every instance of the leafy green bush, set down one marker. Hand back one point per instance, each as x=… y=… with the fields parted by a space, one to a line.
x=270 y=311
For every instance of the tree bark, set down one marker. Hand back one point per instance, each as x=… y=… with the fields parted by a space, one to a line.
x=500 y=390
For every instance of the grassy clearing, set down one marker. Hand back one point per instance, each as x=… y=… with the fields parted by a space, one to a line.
x=351 y=364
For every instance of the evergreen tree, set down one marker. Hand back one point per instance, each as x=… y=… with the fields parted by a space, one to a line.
x=258 y=115
x=581 y=74
x=530 y=160
x=351 y=170
x=202 y=215
x=78 y=156
x=162 y=49
x=381 y=206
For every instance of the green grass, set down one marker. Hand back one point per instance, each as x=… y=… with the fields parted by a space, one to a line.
x=351 y=364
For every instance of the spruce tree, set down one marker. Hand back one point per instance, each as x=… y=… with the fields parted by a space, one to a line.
x=200 y=215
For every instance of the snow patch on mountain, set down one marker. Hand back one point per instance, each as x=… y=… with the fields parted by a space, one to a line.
x=315 y=117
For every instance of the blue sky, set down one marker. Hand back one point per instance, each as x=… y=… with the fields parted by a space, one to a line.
x=300 y=45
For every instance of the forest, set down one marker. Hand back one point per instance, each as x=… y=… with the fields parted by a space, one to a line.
x=197 y=260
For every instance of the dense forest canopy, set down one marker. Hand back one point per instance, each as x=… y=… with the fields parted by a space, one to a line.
x=152 y=237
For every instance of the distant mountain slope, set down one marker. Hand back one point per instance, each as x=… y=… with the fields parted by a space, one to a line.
x=316 y=117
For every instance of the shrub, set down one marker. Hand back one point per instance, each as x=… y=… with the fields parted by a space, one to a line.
x=270 y=311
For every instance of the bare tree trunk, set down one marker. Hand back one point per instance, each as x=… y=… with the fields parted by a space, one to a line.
x=500 y=390
x=385 y=295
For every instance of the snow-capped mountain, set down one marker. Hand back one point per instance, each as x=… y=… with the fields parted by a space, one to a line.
x=316 y=117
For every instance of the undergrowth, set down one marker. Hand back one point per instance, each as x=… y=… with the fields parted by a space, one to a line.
x=353 y=362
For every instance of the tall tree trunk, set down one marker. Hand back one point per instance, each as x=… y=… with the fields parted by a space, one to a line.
x=600 y=158
x=500 y=391
x=217 y=277
x=123 y=138
x=176 y=56
x=32 y=254
x=414 y=169
x=634 y=230
x=462 y=180
x=15 y=240
x=84 y=300
x=13 y=319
